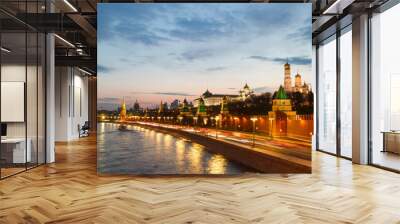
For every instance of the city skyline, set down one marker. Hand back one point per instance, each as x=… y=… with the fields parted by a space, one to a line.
x=182 y=51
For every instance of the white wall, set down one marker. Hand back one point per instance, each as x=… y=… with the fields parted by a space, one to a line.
x=71 y=102
x=33 y=126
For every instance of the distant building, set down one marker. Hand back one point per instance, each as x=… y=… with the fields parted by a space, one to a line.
x=299 y=86
x=184 y=110
x=211 y=99
x=201 y=109
x=136 y=106
x=174 y=105
x=161 y=108
x=287 y=78
x=224 y=107
x=281 y=103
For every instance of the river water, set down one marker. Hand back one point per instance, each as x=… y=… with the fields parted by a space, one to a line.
x=144 y=151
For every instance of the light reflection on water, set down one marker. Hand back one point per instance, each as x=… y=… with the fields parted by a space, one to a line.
x=144 y=151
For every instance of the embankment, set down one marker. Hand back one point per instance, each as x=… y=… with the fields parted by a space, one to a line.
x=261 y=160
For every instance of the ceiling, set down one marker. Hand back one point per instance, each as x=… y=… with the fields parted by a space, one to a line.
x=75 y=22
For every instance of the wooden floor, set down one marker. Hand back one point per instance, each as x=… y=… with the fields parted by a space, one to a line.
x=69 y=191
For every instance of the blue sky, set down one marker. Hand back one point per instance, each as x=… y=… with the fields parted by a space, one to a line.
x=153 y=52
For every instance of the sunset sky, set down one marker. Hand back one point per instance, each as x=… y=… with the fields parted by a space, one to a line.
x=153 y=52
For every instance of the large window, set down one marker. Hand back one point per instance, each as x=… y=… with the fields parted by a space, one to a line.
x=346 y=92
x=334 y=115
x=327 y=96
x=385 y=89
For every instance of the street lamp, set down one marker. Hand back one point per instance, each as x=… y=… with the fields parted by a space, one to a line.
x=271 y=126
x=205 y=121
x=254 y=119
x=216 y=127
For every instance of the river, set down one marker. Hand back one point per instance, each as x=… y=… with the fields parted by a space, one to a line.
x=144 y=151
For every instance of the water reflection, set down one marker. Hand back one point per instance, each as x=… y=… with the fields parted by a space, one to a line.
x=216 y=164
x=143 y=151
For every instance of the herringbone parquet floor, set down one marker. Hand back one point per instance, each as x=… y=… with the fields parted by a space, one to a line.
x=69 y=191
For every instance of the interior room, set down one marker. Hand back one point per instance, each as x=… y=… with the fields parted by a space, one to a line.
x=385 y=83
x=22 y=99
x=49 y=115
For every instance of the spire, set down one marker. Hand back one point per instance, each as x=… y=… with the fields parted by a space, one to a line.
x=122 y=114
x=207 y=93
x=281 y=94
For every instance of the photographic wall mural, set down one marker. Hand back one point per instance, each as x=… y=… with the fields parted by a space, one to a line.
x=196 y=88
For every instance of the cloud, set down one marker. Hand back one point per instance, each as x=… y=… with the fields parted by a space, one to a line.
x=292 y=60
x=218 y=68
x=165 y=93
x=261 y=58
x=108 y=99
x=302 y=33
x=104 y=69
x=117 y=23
x=195 y=55
x=198 y=29
x=173 y=94
x=264 y=89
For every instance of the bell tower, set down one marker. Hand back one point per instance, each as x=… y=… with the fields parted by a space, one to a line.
x=287 y=78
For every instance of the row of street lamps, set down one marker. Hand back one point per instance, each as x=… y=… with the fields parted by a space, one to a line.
x=216 y=118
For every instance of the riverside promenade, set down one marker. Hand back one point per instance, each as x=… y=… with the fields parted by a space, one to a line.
x=277 y=155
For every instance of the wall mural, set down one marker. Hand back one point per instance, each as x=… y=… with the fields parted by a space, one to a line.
x=204 y=88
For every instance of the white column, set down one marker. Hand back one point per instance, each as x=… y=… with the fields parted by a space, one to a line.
x=360 y=90
x=313 y=86
x=63 y=101
x=50 y=99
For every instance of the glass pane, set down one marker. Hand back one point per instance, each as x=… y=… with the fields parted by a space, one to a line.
x=31 y=98
x=13 y=86
x=327 y=96
x=346 y=94
x=385 y=85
